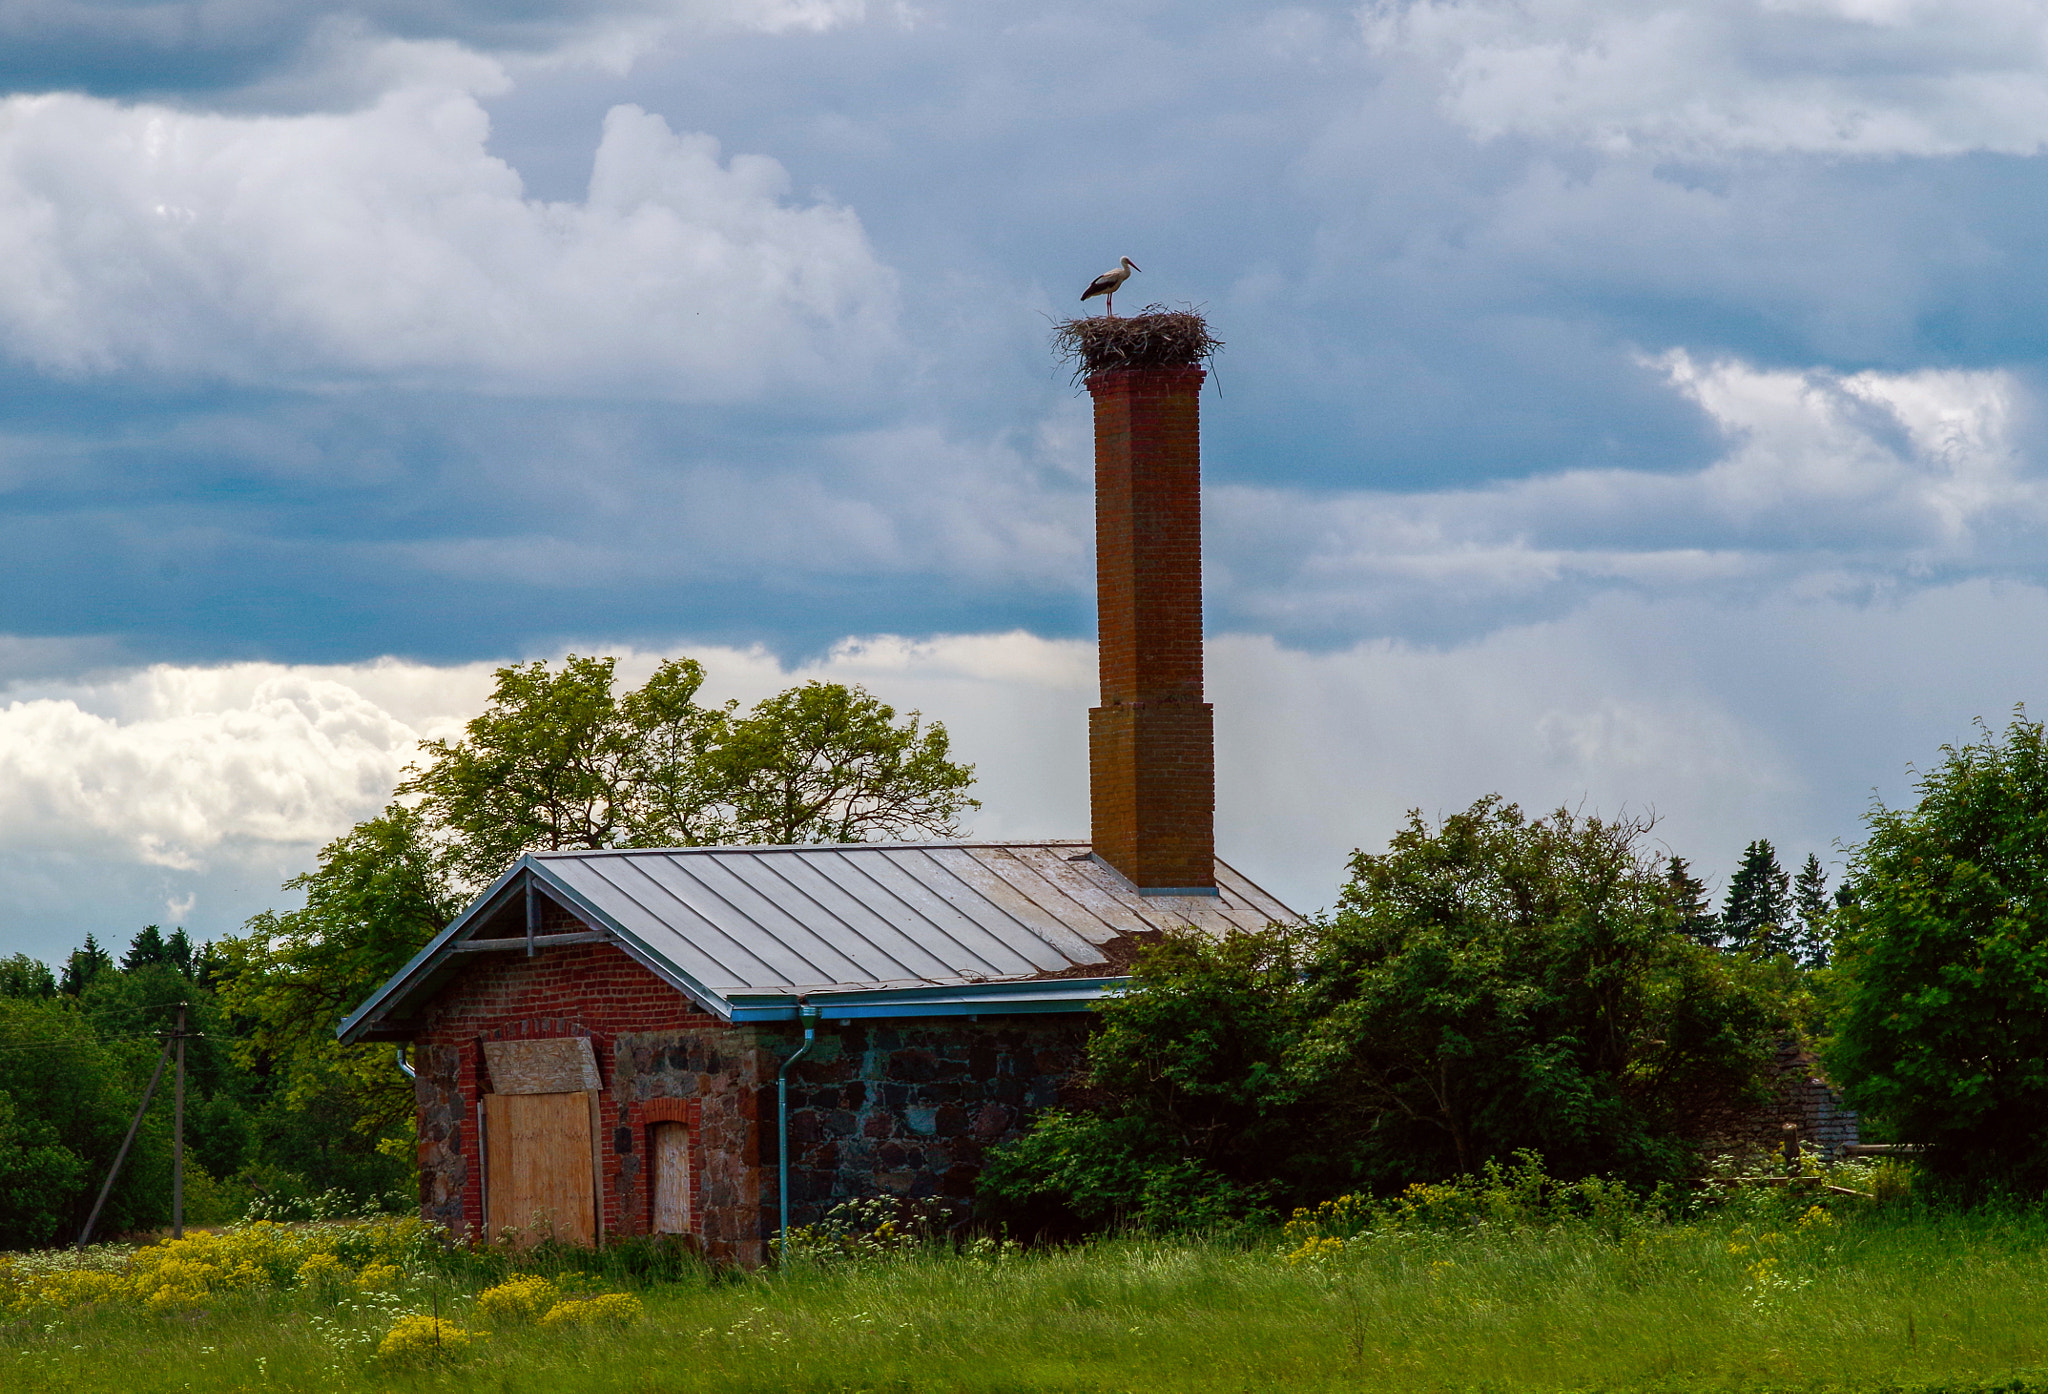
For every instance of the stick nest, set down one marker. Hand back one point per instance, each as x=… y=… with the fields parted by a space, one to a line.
x=1155 y=338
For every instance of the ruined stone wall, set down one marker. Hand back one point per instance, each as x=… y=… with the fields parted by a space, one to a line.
x=1801 y=1105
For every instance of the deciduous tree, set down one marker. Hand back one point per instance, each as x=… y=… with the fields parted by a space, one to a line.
x=1941 y=1032
x=1489 y=984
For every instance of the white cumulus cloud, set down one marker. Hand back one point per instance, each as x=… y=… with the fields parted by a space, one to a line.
x=1829 y=479
x=1709 y=77
x=388 y=244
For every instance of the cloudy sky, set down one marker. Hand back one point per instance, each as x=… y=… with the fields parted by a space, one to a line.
x=1629 y=404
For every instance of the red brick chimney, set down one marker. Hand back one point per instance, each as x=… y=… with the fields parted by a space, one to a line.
x=1151 y=744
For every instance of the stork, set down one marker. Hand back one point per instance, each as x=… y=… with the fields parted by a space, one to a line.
x=1110 y=282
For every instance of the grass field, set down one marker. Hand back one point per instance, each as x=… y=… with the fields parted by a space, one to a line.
x=1743 y=1299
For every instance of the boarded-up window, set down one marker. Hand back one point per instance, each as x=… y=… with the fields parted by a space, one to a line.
x=669 y=1143
x=540 y=1140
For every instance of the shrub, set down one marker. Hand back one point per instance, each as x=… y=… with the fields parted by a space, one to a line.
x=1488 y=985
x=1942 y=964
x=520 y=1300
x=610 y=1309
x=424 y=1340
x=376 y=1277
x=184 y=1272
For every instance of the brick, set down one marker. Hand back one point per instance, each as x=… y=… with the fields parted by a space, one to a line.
x=1151 y=744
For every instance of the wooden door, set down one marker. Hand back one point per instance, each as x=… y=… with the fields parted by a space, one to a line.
x=671 y=1151
x=538 y=1159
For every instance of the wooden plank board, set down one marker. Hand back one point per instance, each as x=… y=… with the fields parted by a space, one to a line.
x=538 y=1153
x=670 y=1146
x=560 y=1066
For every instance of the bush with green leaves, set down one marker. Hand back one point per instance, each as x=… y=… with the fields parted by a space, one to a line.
x=1490 y=984
x=1941 y=967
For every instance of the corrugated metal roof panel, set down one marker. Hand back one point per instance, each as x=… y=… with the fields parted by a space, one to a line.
x=909 y=919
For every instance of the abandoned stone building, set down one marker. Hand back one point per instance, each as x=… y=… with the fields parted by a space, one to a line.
x=598 y=1038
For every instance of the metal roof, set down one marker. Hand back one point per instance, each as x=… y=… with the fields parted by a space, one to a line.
x=862 y=929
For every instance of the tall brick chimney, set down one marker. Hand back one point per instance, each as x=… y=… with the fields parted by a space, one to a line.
x=1151 y=744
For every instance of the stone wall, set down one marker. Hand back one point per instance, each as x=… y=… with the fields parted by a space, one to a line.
x=890 y=1108
x=1801 y=1105
x=909 y=1109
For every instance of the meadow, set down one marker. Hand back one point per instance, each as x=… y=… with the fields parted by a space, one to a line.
x=1770 y=1291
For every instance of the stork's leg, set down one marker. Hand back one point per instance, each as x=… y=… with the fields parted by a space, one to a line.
x=1110 y=300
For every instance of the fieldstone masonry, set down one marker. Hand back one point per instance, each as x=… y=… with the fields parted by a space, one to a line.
x=1801 y=1107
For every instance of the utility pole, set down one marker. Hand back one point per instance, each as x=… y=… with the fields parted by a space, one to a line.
x=178 y=1137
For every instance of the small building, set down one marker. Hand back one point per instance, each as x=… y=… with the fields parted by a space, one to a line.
x=598 y=1038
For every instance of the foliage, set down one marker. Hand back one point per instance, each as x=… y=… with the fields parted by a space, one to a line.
x=559 y=760
x=65 y=1100
x=424 y=1340
x=828 y=763
x=1752 y=1294
x=22 y=976
x=1757 y=915
x=1696 y=918
x=1941 y=1033
x=522 y=1299
x=1810 y=899
x=612 y=1309
x=1488 y=985
x=377 y=894
x=84 y=965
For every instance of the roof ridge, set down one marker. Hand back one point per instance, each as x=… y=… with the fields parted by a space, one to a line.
x=566 y=853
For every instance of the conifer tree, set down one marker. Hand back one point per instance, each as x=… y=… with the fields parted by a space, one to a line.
x=1696 y=917
x=145 y=949
x=1757 y=916
x=1810 y=898
x=86 y=962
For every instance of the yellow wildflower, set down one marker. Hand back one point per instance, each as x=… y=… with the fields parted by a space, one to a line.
x=612 y=1309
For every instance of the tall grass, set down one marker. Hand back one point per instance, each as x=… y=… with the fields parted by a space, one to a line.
x=1742 y=1299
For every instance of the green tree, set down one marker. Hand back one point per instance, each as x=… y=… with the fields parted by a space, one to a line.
x=85 y=963
x=1810 y=899
x=829 y=763
x=151 y=947
x=22 y=976
x=1487 y=985
x=379 y=893
x=1941 y=1031
x=1696 y=917
x=558 y=760
x=66 y=1096
x=1756 y=918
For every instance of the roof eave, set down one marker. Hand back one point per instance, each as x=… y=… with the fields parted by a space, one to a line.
x=1017 y=998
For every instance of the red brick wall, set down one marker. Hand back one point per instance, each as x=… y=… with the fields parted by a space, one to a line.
x=1151 y=744
x=594 y=991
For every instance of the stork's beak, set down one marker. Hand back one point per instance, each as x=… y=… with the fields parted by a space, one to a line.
x=1134 y=265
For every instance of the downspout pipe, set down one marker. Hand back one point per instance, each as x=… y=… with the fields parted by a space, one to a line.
x=808 y=1015
x=404 y=1066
